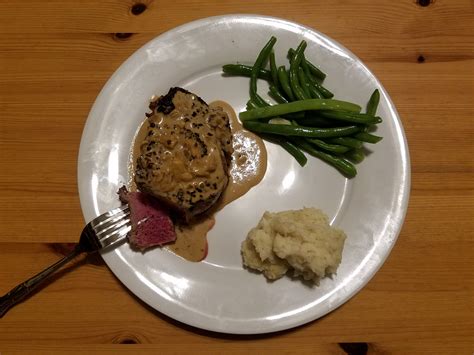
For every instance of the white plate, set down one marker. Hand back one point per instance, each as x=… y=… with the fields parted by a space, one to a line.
x=218 y=294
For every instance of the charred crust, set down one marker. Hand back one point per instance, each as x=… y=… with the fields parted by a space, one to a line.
x=152 y=106
x=123 y=194
x=165 y=103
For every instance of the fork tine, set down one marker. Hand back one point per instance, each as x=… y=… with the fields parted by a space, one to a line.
x=115 y=236
x=104 y=236
x=112 y=223
x=110 y=227
x=110 y=213
x=104 y=218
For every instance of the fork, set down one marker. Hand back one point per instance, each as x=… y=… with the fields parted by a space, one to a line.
x=102 y=232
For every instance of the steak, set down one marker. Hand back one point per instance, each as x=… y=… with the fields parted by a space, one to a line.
x=185 y=157
x=151 y=224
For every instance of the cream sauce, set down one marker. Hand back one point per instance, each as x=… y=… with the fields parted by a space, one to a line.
x=248 y=166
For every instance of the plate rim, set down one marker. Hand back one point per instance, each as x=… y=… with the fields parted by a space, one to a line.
x=403 y=206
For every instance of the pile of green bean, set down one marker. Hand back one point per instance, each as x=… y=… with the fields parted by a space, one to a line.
x=306 y=117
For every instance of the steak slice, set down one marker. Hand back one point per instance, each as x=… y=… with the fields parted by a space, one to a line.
x=184 y=159
x=151 y=224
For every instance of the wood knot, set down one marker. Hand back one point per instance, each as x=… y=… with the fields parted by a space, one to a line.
x=126 y=339
x=424 y=3
x=354 y=348
x=420 y=59
x=138 y=8
x=122 y=36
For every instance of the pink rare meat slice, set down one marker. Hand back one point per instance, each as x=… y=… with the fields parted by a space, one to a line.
x=151 y=224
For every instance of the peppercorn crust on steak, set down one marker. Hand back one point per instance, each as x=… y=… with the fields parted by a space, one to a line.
x=185 y=157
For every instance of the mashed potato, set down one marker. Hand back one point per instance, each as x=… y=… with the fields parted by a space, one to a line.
x=301 y=242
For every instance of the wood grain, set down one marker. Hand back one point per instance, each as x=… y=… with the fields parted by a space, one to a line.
x=115 y=15
x=55 y=56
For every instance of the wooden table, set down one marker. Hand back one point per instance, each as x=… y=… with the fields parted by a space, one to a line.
x=54 y=58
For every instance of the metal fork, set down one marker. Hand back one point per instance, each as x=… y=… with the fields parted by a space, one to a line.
x=102 y=232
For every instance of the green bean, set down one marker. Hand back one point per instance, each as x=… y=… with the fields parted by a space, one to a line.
x=362 y=118
x=261 y=58
x=295 y=152
x=325 y=92
x=333 y=148
x=370 y=128
x=367 y=137
x=294 y=116
x=250 y=105
x=294 y=65
x=317 y=121
x=373 y=103
x=285 y=83
x=274 y=89
x=298 y=106
x=288 y=146
x=355 y=155
x=343 y=165
x=276 y=94
x=245 y=70
x=273 y=69
x=315 y=94
x=304 y=82
x=289 y=130
x=321 y=89
x=305 y=67
x=347 y=141
x=314 y=70
x=371 y=108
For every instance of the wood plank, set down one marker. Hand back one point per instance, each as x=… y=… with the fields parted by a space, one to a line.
x=332 y=16
x=99 y=301
x=229 y=347
x=86 y=48
x=416 y=89
x=240 y=347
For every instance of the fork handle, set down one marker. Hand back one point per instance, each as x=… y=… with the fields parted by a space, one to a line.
x=18 y=293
